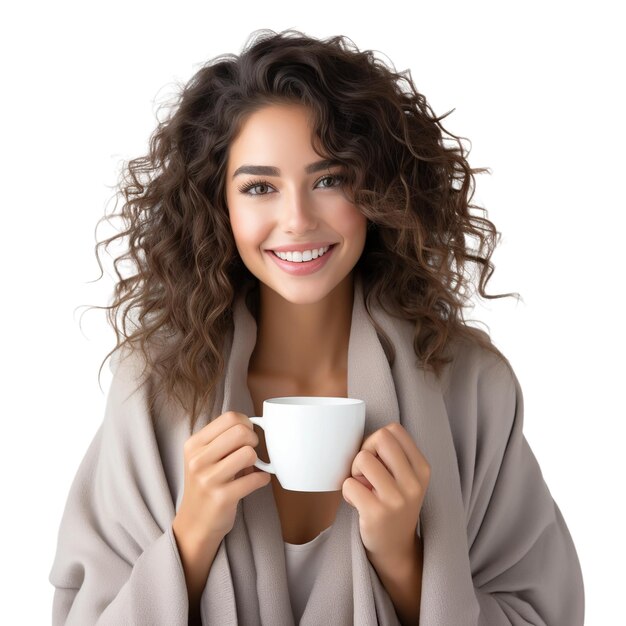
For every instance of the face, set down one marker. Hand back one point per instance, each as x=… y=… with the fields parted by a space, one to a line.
x=290 y=202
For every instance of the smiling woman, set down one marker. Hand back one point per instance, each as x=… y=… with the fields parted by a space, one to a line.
x=301 y=227
x=296 y=213
x=296 y=142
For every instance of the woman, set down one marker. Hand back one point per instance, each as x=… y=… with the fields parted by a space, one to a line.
x=299 y=227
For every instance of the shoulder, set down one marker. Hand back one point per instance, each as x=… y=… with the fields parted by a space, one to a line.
x=127 y=405
x=137 y=397
x=481 y=392
x=475 y=364
x=130 y=374
x=134 y=367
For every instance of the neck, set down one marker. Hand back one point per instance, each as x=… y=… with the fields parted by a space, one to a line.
x=306 y=343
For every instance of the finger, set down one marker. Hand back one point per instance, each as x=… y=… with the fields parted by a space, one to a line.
x=238 y=489
x=247 y=470
x=416 y=458
x=384 y=445
x=226 y=469
x=358 y=495
x=363 y=481
x=223 y=445
x=219 y=425
x=383 y=482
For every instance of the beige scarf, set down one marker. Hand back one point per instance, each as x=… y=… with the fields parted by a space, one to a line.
x=496 y=547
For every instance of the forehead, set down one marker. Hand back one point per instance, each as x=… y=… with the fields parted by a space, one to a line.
x=275 y=132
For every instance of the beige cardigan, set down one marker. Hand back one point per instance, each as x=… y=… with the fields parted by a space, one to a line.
x=496 y=547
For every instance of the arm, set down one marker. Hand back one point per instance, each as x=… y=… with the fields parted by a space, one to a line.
x=403 y=583
x=197 y=561
x=390 y=476
x=523 y=562
x=117 y=561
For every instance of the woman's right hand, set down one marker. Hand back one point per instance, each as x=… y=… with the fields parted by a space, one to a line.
x=219 y=471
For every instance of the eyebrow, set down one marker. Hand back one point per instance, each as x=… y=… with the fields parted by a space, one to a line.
x=270 y=170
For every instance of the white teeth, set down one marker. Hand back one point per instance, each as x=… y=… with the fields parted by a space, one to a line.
x=300 y=257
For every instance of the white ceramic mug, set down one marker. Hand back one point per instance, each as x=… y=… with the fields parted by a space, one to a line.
x=311 y=440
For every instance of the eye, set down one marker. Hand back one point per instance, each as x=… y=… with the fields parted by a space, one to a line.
x=245 y=188
x=338 y=178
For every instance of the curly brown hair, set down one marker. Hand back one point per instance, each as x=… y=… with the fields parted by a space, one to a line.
x=413 y=188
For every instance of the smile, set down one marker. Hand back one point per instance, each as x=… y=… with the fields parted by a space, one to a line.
x=302 y=257
x=304 y=262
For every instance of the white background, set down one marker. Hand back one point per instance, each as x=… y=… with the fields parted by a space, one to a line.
x=537 y=88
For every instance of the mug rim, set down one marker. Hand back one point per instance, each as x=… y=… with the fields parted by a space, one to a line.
x=296 y=401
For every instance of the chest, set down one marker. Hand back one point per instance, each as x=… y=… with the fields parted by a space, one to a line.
x=303 y=515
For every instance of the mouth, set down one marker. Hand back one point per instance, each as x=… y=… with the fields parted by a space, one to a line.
x=303 y=267
x=299 y=258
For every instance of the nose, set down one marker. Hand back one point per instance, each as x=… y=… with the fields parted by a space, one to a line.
x=298 y=214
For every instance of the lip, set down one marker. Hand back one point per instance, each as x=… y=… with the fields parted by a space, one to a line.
x=307 y=267
x=301 y=247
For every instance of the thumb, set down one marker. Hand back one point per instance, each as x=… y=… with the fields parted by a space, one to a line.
x=343 y=492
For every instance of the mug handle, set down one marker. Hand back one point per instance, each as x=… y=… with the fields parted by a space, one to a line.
x=262 y=465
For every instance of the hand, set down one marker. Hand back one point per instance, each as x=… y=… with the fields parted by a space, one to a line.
x=389 y=480
x=219 y=471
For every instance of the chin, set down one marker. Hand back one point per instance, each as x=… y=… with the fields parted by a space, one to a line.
x=315 y=291
x=303 y=296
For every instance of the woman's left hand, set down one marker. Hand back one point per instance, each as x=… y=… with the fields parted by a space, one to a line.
x=389 y=480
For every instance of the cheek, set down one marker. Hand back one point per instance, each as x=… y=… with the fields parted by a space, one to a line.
x=248 y=228
x=350 y=221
